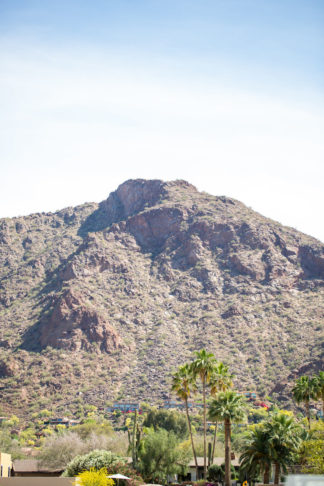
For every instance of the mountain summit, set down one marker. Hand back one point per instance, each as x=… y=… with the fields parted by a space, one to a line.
x=106 y=300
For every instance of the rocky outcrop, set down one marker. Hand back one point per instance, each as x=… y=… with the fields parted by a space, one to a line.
x=73 y=325
x=8 y=368
x=134 y=196
x=152 y=229
x=131 y=197
x=312 y=260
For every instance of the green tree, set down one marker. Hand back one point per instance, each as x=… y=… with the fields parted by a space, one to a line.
x=160 y=455
x=284 y=440
x=9 y=445
x=220 y=380
x=203 y=367
x=319 y=388
x=169 y=420
x=217 y=473
x=229 y=407
x=312 y=450
x=256 y=457
x=183 y=384
x=303 y=391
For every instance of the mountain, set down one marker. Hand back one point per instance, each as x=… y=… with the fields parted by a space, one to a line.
x=103 y=301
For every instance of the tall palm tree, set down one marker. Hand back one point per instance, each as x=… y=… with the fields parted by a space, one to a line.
x=183 y=384
x=284 y=439
x=256 y=457
x=229 y=406
x=303 y=391
x=203 y=366
x=220 y=380
x=318 y=381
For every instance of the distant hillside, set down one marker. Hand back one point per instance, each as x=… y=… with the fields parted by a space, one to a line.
x=103 y=301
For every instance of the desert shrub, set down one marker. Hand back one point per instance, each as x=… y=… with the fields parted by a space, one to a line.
x=57 y=451
x=217 y=473
x=85 y=430
x=97 y=460
x=117 y=443
x=95 y=478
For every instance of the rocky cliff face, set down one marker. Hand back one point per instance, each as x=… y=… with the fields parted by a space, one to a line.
x=74 y=325
x=109 y=298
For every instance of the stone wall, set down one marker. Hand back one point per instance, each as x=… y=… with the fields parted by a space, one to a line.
x=36 y=481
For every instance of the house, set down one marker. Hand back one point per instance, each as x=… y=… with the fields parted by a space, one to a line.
x=33 y=467
x=62 y=421
x=250 y=395
x=5 y=465
x=169 y=403
x=124 y=407
x=192 y=476
x=173 y=404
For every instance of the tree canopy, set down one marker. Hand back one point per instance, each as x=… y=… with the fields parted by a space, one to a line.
x=169 y=420
x=161 y=455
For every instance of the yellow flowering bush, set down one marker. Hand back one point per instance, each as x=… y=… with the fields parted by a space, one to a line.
x=94 y=478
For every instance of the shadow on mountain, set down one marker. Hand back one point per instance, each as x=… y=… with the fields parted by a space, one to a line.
x=97 y=221
x=31 y=338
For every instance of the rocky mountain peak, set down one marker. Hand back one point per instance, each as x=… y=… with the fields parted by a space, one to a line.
x=134 y=195
x=138 y=282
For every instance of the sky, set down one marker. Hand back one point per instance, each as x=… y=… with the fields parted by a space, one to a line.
x=227 y=94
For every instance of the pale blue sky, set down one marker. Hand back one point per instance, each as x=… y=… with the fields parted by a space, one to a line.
x=227 y=94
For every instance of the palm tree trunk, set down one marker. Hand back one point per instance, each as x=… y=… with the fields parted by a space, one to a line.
x=277 y=473
x=266 y=475
x=227 y=452
x=191 y=438
x=205 y=430
x=308 y=414
x=214 y=443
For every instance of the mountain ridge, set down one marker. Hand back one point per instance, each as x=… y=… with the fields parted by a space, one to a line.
x=106 y=299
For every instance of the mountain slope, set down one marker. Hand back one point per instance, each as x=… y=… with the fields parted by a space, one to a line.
x=105 y=300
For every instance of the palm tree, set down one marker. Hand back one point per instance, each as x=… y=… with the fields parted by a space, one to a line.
x=318 y=381
x=303 y=391
x=182 y=384
x=203 y=366
x=284 y=439
x=256 y=457
x=229 y=406
x=220 y=380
